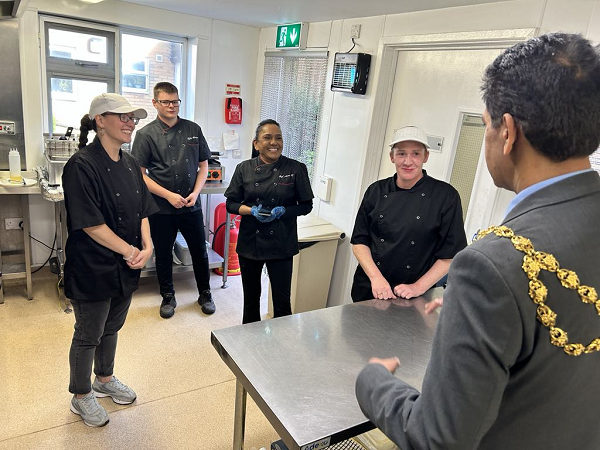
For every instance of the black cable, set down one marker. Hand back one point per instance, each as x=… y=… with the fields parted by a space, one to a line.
x=352 y=46
x=52 y=249
x=47 y=246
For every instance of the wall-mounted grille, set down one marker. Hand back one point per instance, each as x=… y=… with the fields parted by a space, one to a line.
x=351 y=72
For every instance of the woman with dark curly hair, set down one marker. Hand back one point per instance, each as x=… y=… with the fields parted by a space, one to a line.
x=269 y=191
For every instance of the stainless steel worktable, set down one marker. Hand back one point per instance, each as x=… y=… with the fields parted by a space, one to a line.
x=300 y=370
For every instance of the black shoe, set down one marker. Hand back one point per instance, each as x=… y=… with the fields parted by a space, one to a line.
x=206 y=302
x=168 y=305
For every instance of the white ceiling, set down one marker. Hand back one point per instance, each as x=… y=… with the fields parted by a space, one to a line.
x=266 y=13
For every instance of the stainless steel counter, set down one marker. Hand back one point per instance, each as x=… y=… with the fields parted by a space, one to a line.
x=300 y=370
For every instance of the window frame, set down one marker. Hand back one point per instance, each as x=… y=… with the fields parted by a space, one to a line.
x=55 y=67
x=110 y=73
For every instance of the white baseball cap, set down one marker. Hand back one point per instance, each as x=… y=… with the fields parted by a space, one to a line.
x=114 y=103
x=409 y=134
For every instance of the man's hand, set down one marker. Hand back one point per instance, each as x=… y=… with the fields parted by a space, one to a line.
x=176 y=200
x=190 y=200
x=409 y=290
x=433 y=305
x=381 y=289
x=390 y=364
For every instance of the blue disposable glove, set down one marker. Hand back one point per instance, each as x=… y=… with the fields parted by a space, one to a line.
x=277 y=212
x=255 y=211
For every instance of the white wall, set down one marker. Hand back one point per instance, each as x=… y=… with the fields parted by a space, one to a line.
x=346 y=119
x=222 y=53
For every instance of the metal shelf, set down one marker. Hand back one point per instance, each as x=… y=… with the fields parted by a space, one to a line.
x=13 y=271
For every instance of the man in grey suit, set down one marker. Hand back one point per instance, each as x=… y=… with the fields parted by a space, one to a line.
x=516 y=360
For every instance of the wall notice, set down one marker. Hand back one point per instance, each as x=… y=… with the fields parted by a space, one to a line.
x=233 y=89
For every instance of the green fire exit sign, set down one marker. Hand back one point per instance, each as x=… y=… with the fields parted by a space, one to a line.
x=293 y=35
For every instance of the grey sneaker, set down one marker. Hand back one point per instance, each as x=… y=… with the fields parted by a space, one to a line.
x=168 y=305
x=92 y=413
x=119 y=392
x=206 y=302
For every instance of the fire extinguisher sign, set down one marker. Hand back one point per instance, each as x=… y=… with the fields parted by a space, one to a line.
x=233 y=89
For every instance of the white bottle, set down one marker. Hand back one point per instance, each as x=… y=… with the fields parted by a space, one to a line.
x=14 y=165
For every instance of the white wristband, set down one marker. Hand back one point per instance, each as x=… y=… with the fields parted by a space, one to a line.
x=130 y=256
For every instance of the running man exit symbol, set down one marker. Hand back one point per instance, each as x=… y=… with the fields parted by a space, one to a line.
x=282 y=37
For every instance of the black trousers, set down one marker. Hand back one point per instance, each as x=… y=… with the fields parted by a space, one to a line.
x=280 y=275
x=163 y=228
x=97 y=324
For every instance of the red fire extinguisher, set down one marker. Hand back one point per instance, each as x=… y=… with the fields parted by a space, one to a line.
x=218 y=243
x=233 y=262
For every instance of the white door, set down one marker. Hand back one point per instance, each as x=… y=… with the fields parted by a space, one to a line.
x=431 y=90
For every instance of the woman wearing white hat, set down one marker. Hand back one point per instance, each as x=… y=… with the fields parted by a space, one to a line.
x=408 y=227
x=107 y=205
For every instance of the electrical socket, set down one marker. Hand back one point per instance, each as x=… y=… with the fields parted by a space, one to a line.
x=13 y=223
x=355 y=32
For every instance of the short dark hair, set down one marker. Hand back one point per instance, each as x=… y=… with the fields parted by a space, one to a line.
x=166 y=87
x=257 y=132
x=551 y=86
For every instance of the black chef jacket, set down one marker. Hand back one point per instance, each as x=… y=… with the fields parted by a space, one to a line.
x=283 y=183
x=171 y=156
x=407 y=230
x=100 y=191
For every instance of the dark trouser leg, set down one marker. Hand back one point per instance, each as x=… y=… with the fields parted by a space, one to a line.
x=361 y=287
x=191 y=226
x=90 y=319
x=163 y=228
x=104 y=360
x=280 y=276
x=251 y=271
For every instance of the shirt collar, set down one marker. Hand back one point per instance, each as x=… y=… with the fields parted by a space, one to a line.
x=103 y=153
x=417 y=184
x=538 y=186
x=166 y=127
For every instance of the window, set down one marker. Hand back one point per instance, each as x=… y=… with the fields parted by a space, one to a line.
x=293 y=89
x=82 y=60
x=135 y=76
x=147 y=59
x=466 y=157
x=80 y=64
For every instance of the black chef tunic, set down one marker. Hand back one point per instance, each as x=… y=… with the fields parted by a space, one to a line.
x=407 y=230
x=283 y=183
x=172 y=155
x=100 y=191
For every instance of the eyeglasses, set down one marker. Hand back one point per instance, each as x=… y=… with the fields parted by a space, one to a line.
x=124 y=117
x=168 y=102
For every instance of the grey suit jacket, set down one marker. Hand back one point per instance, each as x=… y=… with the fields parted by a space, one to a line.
x=495 y=381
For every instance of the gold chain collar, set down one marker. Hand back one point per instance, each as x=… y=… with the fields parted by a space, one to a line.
x=533 y=262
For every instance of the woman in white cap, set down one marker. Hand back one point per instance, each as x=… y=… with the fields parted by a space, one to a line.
x=408 y=227
x=107 y=205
